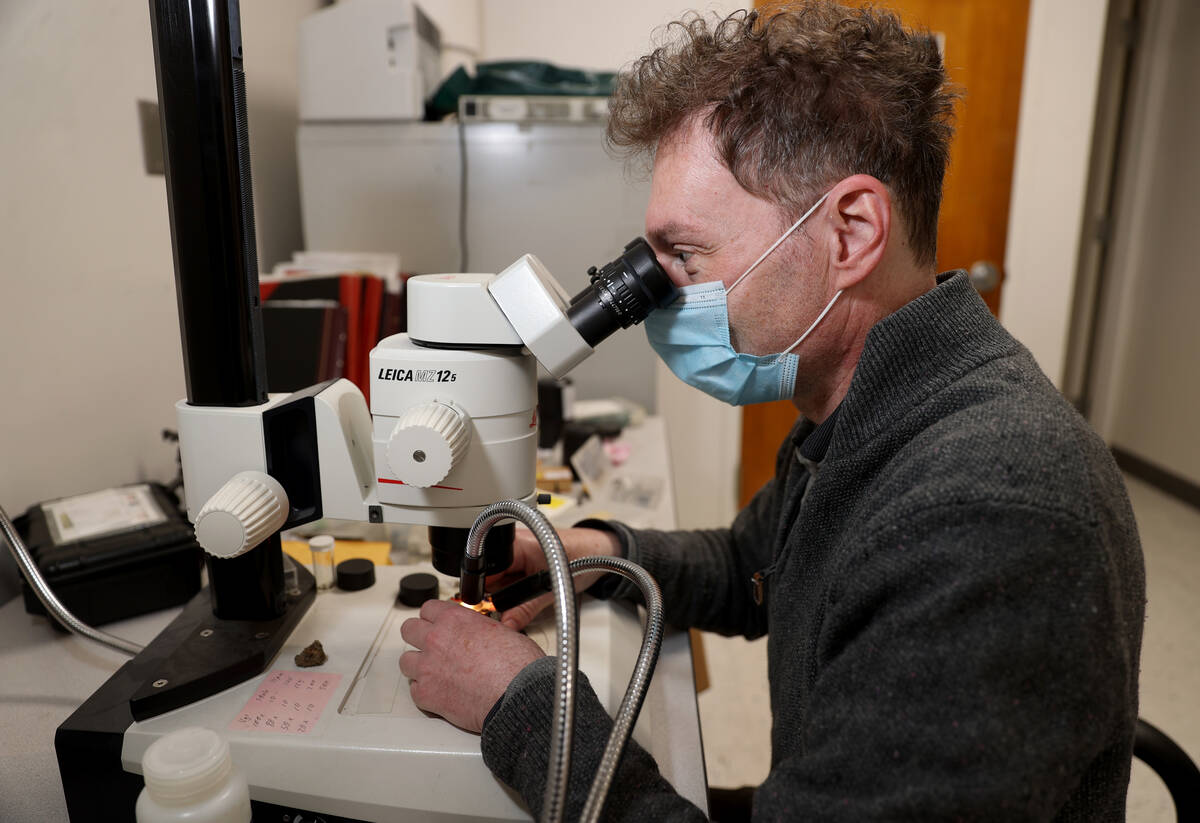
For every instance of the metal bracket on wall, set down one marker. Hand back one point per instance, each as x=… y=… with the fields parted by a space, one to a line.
x=151 y=128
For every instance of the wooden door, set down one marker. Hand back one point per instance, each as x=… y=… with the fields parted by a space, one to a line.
x=984 y=49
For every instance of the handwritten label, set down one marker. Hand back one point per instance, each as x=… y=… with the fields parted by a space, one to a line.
x=287 y=703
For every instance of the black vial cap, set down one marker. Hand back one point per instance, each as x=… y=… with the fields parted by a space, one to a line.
x=415 y=589
x=356 y=574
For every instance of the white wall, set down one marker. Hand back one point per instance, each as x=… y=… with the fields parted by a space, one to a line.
x=1147 y=387
x=1145 y=392
x=460 y=24
x=269 y=43
x=88 y=326
x=1050 y=177
x=590 y=35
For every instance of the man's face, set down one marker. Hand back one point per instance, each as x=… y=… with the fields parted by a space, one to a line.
x=704 y=226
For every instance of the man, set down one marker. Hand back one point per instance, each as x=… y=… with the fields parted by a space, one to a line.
x=945 y=561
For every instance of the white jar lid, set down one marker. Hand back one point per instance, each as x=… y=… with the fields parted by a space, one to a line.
x=186 y=765
x=321 y=543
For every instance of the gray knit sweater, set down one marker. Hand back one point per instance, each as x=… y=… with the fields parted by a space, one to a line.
x=955 y=602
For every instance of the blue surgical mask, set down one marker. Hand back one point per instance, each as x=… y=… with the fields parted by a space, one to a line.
x=692 y=337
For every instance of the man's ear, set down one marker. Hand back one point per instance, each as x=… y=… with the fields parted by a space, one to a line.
x=861 y=219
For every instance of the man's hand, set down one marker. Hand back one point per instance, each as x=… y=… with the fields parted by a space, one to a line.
x=528 y=558
x=463 y=663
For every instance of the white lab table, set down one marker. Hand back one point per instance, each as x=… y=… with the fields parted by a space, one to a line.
x=45 y=675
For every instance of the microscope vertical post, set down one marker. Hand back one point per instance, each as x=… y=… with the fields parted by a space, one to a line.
x=201 y=88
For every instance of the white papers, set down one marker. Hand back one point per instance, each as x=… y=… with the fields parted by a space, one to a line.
x=100 y=513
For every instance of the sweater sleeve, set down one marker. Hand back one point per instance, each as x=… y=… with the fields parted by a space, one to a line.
x=516 y=747
x=974 y=664
x=705 y=575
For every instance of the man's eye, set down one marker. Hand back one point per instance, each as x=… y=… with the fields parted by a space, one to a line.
x=683 y=256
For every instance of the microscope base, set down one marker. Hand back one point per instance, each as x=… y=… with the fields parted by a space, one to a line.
x=195 y=657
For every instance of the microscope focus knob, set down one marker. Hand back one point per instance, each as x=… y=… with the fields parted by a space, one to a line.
x=427 y=442
x=243 y=513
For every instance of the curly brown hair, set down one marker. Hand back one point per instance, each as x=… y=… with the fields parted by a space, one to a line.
x=800 y=99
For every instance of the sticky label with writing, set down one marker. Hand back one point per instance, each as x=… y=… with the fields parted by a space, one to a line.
x=287 y=702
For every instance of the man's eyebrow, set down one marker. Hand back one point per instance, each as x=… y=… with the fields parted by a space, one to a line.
x=664 y=233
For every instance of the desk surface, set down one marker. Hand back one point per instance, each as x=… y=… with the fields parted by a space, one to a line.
x=45 y=675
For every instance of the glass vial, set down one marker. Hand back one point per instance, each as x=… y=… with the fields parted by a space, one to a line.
x=321 y=547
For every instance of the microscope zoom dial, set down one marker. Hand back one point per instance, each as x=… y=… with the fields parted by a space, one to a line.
x=427 y=443
x=243 y=513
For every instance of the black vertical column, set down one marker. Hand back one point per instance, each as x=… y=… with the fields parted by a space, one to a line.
x=206 y=147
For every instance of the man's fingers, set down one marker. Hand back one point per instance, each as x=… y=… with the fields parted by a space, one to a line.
x=527 y=559
x=494 y=582
x=518 y=617
x=408 y=664
x=414 y=630
x=430 y=609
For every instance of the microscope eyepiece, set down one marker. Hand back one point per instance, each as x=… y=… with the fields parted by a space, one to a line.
x=621 y=293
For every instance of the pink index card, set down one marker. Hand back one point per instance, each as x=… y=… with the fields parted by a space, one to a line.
x=287 y=702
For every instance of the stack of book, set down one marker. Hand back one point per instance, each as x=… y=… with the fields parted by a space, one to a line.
x=323 y=312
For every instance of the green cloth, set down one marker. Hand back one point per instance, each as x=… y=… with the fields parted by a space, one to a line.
x=525 y=77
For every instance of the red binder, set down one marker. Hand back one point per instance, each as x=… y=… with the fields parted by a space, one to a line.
x=348 y=290
x=373 y=300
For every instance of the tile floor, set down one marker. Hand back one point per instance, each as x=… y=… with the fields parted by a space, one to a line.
x=735 y=714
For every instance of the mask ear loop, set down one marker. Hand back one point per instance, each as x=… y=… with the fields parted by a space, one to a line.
x=808 y=331
x=775 y=245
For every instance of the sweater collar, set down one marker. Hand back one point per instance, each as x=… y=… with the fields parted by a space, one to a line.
x=913 y=353
x=816 y=443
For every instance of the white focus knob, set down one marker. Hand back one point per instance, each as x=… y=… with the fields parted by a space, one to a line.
x=427 y=443
x=242 y=514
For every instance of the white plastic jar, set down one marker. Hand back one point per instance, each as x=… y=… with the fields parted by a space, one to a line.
x=190 y=777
